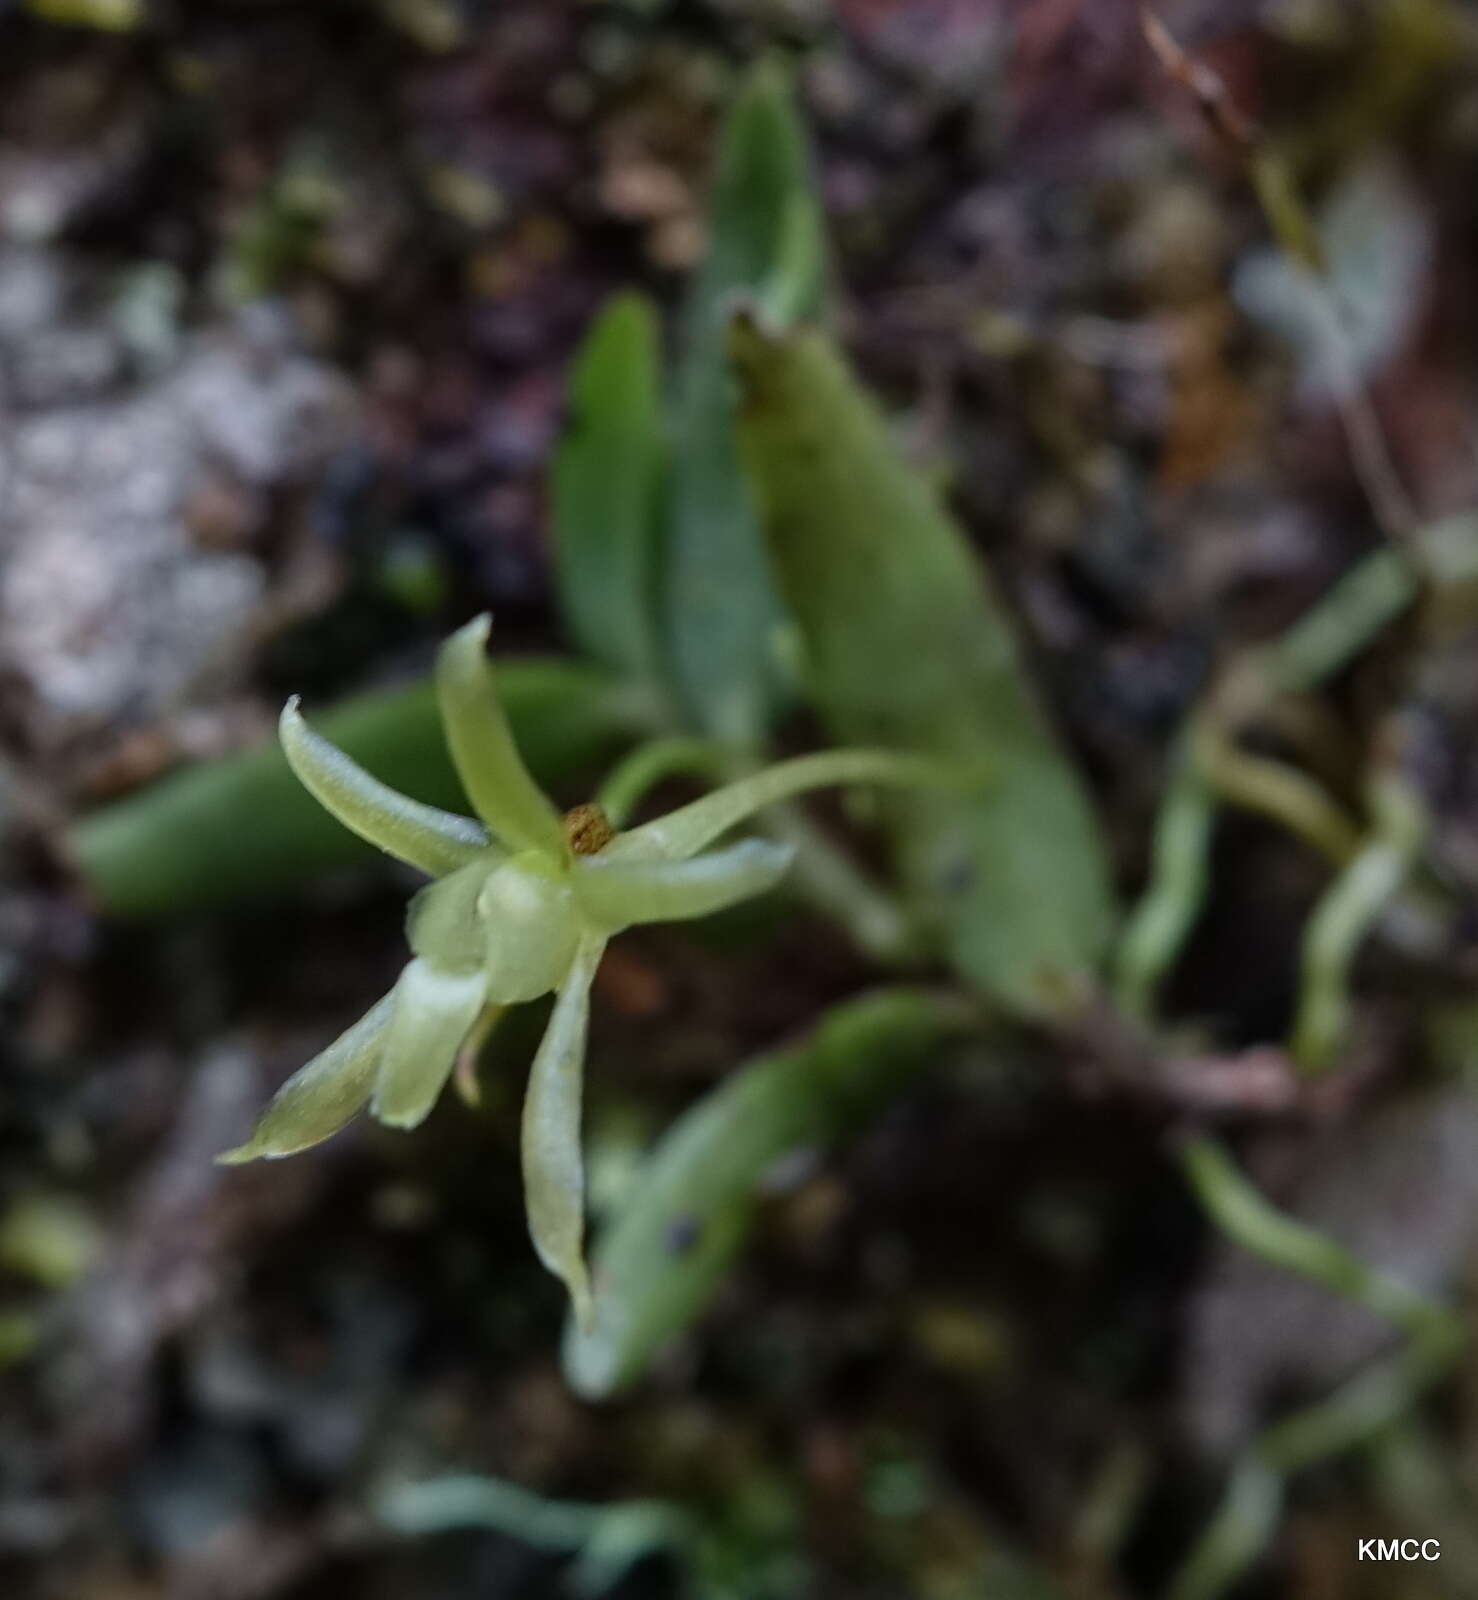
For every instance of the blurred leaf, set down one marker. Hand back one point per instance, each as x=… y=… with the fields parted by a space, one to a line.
x=243 y=827
x=51 y=1239
x=110 y=16
x=1449 y=552
x=906 y=645
x=607 y=1539
x=765 y=222
x=20 y=1334
x=606 y=484
x=435 y=25
x=720 y=609
x=1376 y=240
x=279 y=232
x=411 y=573
x=691 y=1203
x=1389 y=54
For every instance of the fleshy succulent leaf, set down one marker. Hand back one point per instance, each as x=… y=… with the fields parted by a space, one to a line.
x=243 y=828
x=905 y=643
x=606 y=488
x=321 y=1097
x=436 y=841
x=434 y=1011
x=487 y=760
x=616 y=894
x=684 y=832
x=701 y=1183
x=719 y=606
x=553 y=1165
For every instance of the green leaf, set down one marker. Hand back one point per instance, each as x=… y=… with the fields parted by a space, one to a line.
x=109 y=16
x=553 y=1163
x=320 y=1098
x=720 y=608
x=659 y=1262
x=609 y=1539
x=606 y=483
x=487 y=759
x=765 y=218
x=243 y=828
x=906 y=644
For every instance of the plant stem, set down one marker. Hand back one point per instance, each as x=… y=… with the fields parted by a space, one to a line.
x=1162 y=920
x=1245 y=1522
x=1346 y=913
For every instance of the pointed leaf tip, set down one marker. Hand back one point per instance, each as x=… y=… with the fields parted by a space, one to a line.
x=606 y=489
x=239 y=1156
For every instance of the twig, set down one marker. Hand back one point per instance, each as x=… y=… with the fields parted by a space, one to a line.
x=1222 y=115
x=1111 y=1055
x=1288 y=219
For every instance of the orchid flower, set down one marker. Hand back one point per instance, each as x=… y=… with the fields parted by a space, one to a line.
x=523 y=903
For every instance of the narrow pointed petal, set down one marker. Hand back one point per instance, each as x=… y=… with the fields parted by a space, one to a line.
x=616 y=894
x=434 y=1011
x=553 y=1166
x=437 y=842
x=487 y=760
x=684 y=832
x=320 y=1098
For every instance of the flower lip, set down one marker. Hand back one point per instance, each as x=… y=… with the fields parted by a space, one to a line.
x=529 y=926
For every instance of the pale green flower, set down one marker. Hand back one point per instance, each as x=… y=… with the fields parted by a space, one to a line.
x=523 y=903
